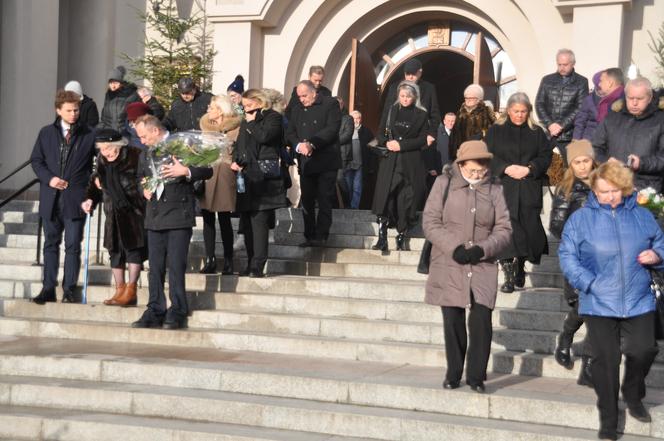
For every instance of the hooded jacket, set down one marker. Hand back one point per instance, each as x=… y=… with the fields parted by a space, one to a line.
x=598 y=254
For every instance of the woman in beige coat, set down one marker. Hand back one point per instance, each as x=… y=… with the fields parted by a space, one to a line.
x=467 y=221
x=220 y=189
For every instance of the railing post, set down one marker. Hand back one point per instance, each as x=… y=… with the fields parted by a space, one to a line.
x=39 y=240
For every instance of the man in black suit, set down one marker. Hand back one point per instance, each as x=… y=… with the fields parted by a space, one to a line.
x=62 y=160
x=436 y=158
x=313 y=132
x=169 y=218
x=316 y=76
x=412 y=71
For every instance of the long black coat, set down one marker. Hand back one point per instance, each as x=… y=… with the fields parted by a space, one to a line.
x=558 y=101
x=89 y=114
x=521 y=145
x=123 y=228
x=45 y=160
x=294 y=101
x=185 y=116
x=319 y=124
x=412 y=141
x=114 y=112
x=428 y=99
x=260 y=139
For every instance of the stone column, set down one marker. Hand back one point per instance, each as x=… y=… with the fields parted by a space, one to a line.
x=239 y=47
x=28 y=78
x=597 y=37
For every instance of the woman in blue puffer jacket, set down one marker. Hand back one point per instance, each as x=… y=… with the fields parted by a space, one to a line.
x=606 y=250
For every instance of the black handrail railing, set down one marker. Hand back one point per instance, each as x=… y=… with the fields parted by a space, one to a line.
x=18 y=169
x=18 y=192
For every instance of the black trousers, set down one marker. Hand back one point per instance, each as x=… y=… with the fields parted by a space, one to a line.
x=73 y=231
x=168 y=249
x=639 y=348
x=321 y=188
x=256 y=237
x=210 y=233
x=478 y=342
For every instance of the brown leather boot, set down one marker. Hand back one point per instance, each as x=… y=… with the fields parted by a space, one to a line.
x=128 y=297
x=119 y=289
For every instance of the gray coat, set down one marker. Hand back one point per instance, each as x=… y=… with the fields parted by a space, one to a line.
x=622 y=134
x=474 y=215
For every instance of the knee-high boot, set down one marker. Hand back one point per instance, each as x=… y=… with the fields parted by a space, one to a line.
x=509 y=271
x=520 y=274
x=381 y=244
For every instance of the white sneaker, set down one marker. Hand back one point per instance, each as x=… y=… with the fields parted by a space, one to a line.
x=239 y=243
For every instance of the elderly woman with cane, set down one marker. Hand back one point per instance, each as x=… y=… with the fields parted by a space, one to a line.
x=606 y=252
x=467 y=221
x=117 y=183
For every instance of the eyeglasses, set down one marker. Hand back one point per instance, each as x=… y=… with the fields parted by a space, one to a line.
x=479 y=172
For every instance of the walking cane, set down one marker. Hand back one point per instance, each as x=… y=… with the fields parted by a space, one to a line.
x=84 y=300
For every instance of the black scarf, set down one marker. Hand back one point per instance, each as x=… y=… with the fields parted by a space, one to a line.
x=114 y=186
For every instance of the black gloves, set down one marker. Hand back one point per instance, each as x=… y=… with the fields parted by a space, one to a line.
x=472 y=255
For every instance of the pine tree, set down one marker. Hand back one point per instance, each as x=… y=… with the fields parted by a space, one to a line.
x=656 y=45
x=181 y=47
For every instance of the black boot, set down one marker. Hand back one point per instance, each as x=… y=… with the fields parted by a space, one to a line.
x=210 y=266
x=45 y=295
x=508 y=270
x=563 y=353
x=382 y=236
x=227 y=270
x=401 y=242
x=520 y=275
x=585 y=376
x=425 y=258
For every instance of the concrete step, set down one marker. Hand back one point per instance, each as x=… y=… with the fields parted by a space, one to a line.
x=33 y=423
x=142 y=381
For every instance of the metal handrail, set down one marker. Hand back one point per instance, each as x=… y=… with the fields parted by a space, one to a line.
x=18 y=192
x=18 y=169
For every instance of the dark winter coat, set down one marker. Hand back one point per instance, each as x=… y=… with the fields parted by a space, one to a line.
x=521 y=145
x=114 y=112
x=437 y=156
x=412 y=139
x=156 y=108
x=346 y=131
x=185 y=116
x=45 y=160
x=471 y=215
x=598 y=255
x=176 y=207
x=471 y=125
x=562 y=207
x=368 y=159
x=258 y=140
x=294 y=101
x=123 y=228
x=622 y=134
x=319 y=124
x=559 y=102
x=588 y=119
x=428 y=99
x=89 y=114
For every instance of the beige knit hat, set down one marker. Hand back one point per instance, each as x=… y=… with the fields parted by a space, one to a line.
x=579 y=147
x=473 y=150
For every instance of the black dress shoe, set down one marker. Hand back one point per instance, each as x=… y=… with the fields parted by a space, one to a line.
x=255 y=274
x=639 y=412
x=563 y=357
x=611 y=434
x=447 y=384
x=45 y=295
x=173 y=324
x=306 y=244
x=210 y=266
x=227 y=270
x=68 y=297
x=479 y=388
x=148 y=320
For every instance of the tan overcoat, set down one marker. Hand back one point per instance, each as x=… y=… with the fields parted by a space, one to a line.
x=472 y=215
x=220 y=190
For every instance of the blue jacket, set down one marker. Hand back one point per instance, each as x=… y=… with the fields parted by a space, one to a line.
x=598 y=254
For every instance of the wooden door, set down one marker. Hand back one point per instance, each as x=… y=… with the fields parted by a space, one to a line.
x=483 y=73
x=364 y=92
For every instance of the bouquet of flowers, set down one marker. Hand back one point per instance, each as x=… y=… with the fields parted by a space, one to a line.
x=195 y=149
x=653 y=201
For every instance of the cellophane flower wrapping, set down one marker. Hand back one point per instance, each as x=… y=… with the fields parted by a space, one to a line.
x=192 y=149
x=653 y=201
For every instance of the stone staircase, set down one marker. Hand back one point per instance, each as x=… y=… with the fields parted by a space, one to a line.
x=335 y=344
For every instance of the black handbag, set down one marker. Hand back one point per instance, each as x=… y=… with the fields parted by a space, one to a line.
x=657 y=287
x=270 y=167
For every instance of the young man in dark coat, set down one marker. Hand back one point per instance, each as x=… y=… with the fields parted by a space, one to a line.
x=88 y=112
x=634 y=135
x=559 y=98
x=187 y=109
x=169 y=219
x=62 y=160
x=435 y=158
x=118 y=95
x=316 y=76
x=313 y=132
x=412 y=71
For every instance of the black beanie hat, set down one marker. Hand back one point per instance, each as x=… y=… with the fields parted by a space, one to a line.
x=237 y=85
x=412 y=66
